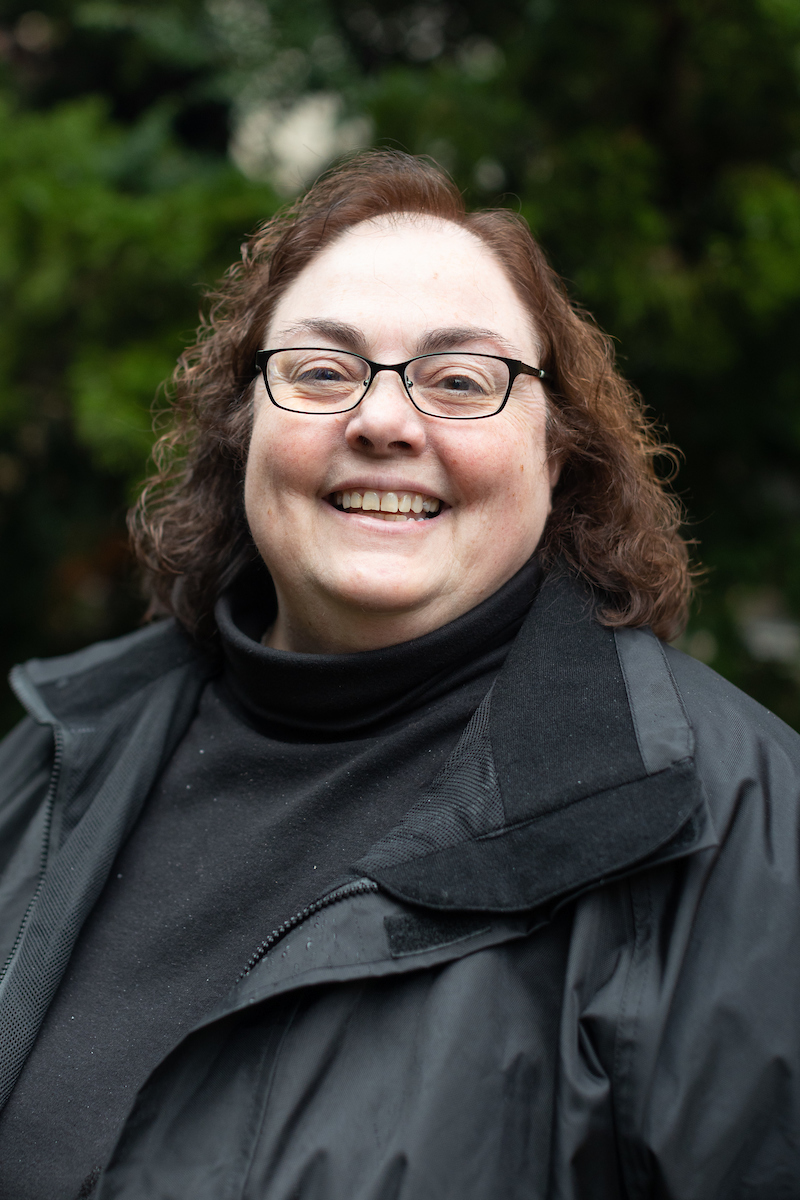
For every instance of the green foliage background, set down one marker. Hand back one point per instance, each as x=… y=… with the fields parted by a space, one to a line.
x=654 y=146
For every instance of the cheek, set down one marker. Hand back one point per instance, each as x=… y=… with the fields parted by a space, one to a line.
x=506 y=466
x=281 y=460
x=527 y=451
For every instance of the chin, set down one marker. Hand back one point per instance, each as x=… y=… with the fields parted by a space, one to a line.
x=386 y=595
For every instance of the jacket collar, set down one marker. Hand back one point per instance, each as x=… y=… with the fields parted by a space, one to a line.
x=577 y=768
x=71 y=689
x=99 y=701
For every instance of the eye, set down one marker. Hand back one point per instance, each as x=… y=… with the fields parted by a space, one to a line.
x=326 y=374
x=456 y=380
x=317 y=369
x=458 y=383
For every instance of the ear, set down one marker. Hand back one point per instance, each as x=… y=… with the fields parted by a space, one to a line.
x=554 y=466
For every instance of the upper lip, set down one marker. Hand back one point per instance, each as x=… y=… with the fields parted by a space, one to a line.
x=358 y=485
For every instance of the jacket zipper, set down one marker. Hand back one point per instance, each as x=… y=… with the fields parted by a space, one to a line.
x=359 y=888
x=58 y=753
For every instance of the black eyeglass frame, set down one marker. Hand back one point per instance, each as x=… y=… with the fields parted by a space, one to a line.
x=515 y=368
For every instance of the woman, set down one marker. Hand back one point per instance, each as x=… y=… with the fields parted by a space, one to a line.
x=404 y=860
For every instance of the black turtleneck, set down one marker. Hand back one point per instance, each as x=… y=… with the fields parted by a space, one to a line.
x=292 y=767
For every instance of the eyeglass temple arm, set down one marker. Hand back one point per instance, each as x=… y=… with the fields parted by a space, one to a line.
x=537 y=372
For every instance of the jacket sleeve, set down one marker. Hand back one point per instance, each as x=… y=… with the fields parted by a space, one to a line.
x=707 y=1062
x=26 y=757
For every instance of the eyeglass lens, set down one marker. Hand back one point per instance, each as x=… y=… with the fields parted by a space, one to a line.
x=442 y=385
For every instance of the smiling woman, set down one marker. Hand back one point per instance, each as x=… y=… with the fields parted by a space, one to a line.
x=402 y=860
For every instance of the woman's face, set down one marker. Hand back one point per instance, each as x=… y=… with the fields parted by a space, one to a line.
x=350 y=580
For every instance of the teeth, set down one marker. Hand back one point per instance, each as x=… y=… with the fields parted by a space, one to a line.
x=391 y=506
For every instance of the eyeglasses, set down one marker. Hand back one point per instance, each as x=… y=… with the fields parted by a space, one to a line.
x=456 y=385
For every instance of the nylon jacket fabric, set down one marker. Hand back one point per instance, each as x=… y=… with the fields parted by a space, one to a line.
x=572 y=971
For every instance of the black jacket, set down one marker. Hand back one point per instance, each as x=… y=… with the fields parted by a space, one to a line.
x=572 y=972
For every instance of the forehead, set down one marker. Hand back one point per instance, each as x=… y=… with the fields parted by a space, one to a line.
x=408 y=270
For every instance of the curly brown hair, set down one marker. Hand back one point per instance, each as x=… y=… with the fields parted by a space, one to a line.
x=614 y=522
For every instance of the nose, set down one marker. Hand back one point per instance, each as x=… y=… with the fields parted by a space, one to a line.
x=386 y=421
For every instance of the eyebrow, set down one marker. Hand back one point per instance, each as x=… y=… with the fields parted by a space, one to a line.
x=432 y=341
x=460 y=335
x=347 y=336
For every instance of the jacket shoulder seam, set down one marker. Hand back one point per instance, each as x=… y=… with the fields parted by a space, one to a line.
x=674 y=682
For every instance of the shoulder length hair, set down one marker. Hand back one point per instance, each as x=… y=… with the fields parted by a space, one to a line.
x=614 y=522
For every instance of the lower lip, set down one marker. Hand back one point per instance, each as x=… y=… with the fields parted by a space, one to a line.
x=365 y=522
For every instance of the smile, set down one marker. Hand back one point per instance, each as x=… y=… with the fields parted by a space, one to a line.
x=387 y=506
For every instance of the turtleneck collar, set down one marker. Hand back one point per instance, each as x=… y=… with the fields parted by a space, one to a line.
x=340 y=695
